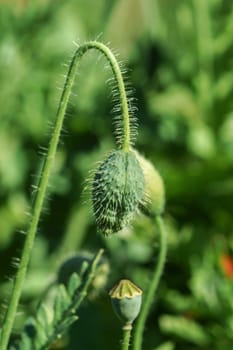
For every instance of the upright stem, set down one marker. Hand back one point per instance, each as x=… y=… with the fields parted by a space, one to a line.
x=46 y=171
x=126 y=336
x=204 y=44
x=91 y=275
x=149 y=298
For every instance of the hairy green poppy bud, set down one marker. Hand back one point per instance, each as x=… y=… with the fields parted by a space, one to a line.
x=126 y=300
x=154 y=200
x=117 y=190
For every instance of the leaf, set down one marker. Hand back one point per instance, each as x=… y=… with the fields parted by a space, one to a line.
x=179 y=302
x=61 y=302
x=201 y=141
x=166 y=346
x=73 y=284
x=41 y=335
x=126 y=16
x=184 y=328
x=44 y=317
x=26 y=343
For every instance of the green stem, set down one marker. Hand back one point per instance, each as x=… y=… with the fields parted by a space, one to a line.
x=46 y=171
x=126 y=336
x=125 y=142
x=91 y=275
x=204 y=44
x=140 y=325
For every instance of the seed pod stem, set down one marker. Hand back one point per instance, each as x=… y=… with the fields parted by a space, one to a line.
x=126 y=336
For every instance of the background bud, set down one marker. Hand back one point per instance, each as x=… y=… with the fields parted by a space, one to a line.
x=154 y=199
x=126 y=300
x=75 y=263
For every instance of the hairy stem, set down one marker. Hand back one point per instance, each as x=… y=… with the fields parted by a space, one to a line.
x=126 y=336
x=46 y=171
x=140 y=325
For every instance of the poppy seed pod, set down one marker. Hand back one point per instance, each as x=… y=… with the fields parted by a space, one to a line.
x=117 y=190
x=154 y=199
x=126 y=300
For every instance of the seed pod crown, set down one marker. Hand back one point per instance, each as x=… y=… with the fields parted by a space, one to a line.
x=117 y=190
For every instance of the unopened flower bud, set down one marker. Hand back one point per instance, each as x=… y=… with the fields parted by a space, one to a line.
x=117 y=191
x=126 y=300
x=154 y=199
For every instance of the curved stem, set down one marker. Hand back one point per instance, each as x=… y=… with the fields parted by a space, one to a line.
x=126 y=336
x=204 y=42
x=125 y=142
x=45 y=174
x=140 y=325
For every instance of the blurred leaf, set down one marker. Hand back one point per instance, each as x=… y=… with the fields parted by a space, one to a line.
x=201 y=141
x=166 y=346
x=184 y=328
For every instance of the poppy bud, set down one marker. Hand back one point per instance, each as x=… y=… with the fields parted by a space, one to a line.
x=154 y=199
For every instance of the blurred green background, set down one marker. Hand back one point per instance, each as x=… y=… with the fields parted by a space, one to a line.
x=178 y=54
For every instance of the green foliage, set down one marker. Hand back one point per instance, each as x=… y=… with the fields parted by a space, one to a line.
x=184 y=328
x=52 y=321
x=49 y=325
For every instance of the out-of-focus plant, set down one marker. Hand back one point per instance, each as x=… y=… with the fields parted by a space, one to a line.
x=179 y=55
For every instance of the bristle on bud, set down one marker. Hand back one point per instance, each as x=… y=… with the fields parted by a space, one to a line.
x=117 y=190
